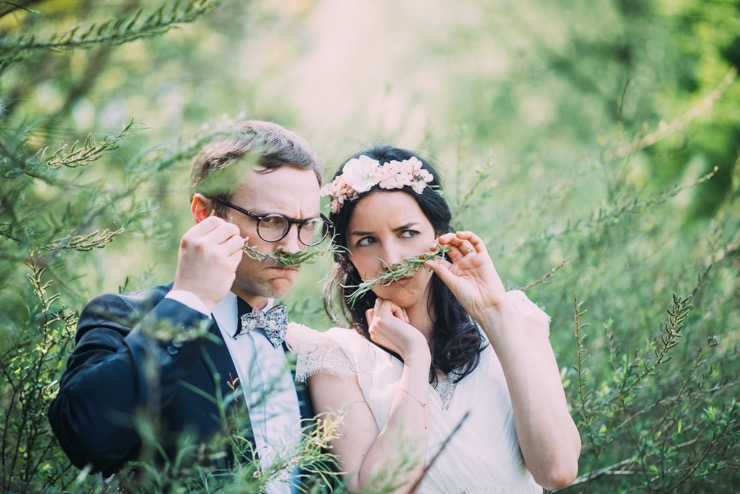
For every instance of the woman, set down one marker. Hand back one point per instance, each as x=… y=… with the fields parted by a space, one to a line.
x=441 y=362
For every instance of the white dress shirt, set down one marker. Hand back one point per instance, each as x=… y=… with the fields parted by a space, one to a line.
x=268 y=388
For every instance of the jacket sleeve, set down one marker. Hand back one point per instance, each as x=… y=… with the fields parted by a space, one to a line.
x=118 y=373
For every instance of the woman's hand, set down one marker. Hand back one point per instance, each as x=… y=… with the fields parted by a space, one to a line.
x=389 y=327
x=470 y=276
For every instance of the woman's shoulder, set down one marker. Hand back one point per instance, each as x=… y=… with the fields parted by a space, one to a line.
x=300 y=338
x=334 y=351
x=347 y=337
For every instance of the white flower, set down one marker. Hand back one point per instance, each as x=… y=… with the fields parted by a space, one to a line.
x=418 y=186
x=361 y=173
x=415 y=164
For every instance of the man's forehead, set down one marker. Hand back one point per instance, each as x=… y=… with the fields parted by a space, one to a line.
x=287 y=190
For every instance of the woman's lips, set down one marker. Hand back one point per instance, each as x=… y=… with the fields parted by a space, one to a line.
x=402 y=282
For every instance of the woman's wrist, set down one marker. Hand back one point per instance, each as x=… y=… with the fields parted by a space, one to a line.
x=500 y=319
x=419 y=357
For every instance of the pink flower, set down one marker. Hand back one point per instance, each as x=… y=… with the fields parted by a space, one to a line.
x=362 y=174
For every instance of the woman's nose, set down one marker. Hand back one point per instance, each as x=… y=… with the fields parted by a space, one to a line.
x=391 y=254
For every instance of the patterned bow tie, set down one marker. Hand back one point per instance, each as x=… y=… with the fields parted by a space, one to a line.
x=273 y=321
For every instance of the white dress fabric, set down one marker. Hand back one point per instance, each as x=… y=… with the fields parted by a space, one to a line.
x=484 y=455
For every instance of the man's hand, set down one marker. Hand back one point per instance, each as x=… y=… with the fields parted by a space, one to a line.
x=209 y=255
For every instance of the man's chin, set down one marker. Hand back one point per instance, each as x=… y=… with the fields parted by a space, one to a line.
x=280 y=287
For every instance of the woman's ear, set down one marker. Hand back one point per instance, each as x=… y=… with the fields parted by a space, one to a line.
x=201 y=207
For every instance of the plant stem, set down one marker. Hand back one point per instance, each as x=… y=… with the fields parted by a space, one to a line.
x=288 y=260
x=406 y=267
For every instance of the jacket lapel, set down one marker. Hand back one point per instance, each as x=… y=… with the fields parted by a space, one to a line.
x=217 y=359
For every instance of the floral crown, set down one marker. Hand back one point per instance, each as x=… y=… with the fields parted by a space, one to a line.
x=363 y=173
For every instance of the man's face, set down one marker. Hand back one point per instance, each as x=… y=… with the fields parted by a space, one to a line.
x=288 y=191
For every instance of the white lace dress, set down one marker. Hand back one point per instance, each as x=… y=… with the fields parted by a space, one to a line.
x=483 y=456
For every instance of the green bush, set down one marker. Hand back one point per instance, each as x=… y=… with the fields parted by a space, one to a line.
x=630 y=242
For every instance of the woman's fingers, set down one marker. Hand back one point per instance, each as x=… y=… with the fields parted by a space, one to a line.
x=462 y=244
x=441 y=268
x=383 y=305
x=458 y=247
x=370 y=315
x=473 y=243
x=398 y=312
x=391 y=328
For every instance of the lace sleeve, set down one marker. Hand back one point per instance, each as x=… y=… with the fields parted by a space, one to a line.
x=528 y=310
x=317 y=352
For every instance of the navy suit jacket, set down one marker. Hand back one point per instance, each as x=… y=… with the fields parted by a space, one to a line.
x=109 y=379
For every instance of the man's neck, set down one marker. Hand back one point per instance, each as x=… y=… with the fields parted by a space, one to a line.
x=254 y=301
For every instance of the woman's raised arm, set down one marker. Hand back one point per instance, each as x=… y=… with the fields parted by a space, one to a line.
x=547 y=435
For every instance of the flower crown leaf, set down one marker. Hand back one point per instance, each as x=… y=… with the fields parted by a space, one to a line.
x=362 y=174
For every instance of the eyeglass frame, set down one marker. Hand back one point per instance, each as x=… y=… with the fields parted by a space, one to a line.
x=328 y=224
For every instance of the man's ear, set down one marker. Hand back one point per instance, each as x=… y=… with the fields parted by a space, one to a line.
x=201 y=207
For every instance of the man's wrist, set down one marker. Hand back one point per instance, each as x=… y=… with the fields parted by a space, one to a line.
x=189 y=299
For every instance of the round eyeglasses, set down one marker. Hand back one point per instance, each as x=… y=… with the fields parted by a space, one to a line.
x=273 y=227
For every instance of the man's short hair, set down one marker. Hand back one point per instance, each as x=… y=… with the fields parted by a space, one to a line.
x=263 y=144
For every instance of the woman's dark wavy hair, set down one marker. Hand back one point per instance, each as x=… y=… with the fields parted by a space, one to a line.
x=456 y=343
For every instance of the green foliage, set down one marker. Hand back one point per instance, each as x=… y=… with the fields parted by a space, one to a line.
x=593 y=146
x=29 y=455
x=60 y=205
x=111 y=32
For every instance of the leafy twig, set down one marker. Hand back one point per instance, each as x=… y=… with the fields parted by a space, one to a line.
x=74 y=156
x=289 y=260
x=112 y=32
x=93 y=240
x=406 y=267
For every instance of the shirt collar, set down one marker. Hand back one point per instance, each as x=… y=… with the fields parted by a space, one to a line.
x=226 y=313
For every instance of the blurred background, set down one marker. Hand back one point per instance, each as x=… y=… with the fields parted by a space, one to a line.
x=540 y=93
x=592 y=144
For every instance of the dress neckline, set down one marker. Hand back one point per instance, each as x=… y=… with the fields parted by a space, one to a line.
x=444 y=390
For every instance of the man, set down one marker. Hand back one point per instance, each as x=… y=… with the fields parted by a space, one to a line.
x=259 y=187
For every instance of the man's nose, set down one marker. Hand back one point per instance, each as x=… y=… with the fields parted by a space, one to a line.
x=290 y=243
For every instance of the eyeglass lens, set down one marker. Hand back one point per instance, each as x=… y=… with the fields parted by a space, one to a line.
x=273 y=227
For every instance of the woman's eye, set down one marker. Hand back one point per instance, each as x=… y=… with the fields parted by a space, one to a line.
x=365 y=241
x=409 y=234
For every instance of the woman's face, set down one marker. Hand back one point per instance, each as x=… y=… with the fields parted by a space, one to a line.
x=384 y=228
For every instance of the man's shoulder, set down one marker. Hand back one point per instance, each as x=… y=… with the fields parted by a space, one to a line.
x=139 y=299
x=122 y=307
x=146 y=296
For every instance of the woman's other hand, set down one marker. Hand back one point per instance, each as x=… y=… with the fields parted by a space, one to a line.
x=470 y=274
x=389 y=327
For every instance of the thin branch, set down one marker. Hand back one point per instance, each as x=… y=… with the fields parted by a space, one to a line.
x=548 y=275
x=610 y=470
x=10 y=7
x=429 y=465
x=664 y=130
x=606 y=216
x=111 y=32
